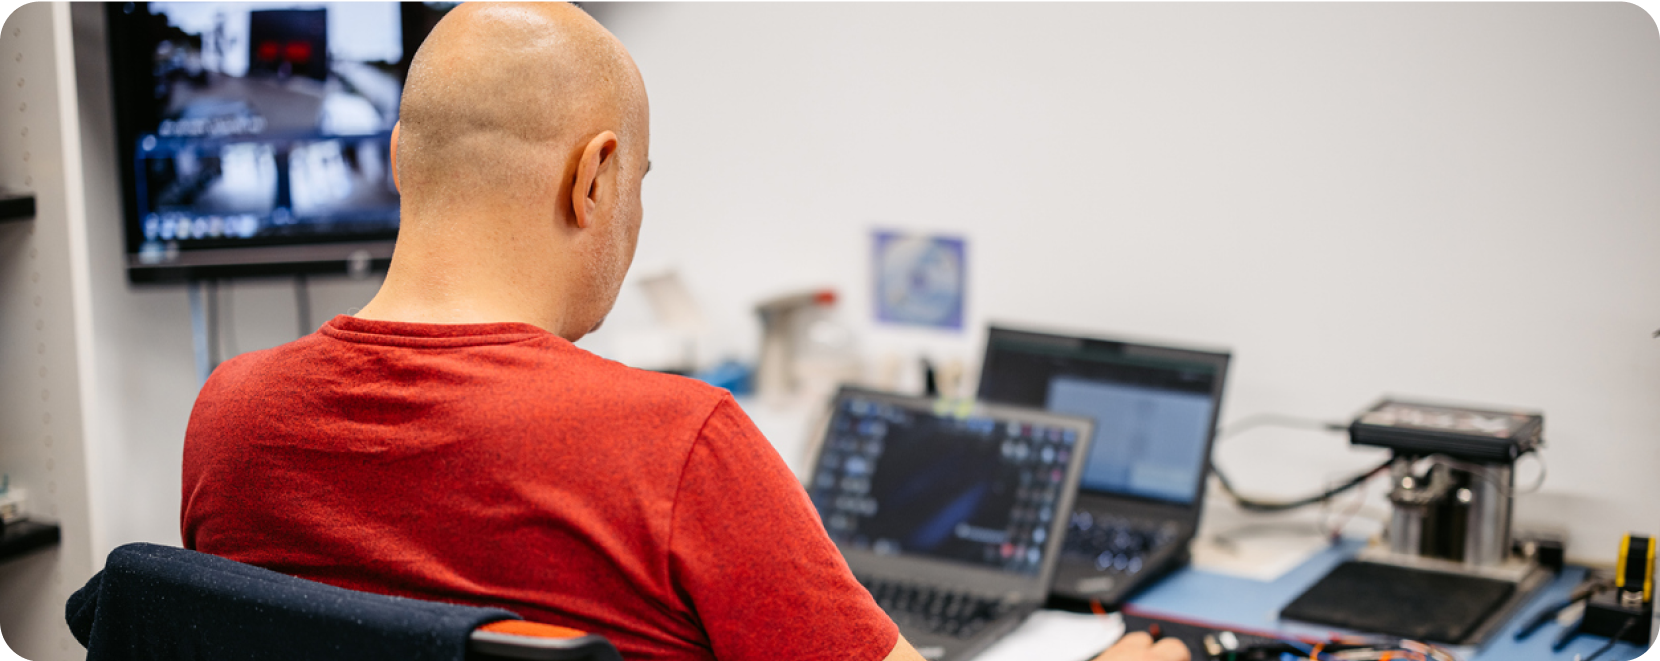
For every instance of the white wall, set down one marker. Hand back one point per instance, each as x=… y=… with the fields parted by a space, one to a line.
x=1452 y=201
x=1456 y=201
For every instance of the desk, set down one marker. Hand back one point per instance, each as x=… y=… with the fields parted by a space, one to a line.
x=1238 y=601
x=1244 y=603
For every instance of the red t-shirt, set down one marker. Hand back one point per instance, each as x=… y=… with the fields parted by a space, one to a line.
x=497 y=464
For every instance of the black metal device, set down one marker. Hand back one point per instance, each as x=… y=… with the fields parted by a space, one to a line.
x=1449 y=573
x=1606 y=616
x=1466 y=434
x=1625 y=612
x=1549 y=549
x=1618 y=608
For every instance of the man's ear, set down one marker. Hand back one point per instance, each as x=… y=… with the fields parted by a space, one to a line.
x=395 y=185
x=598 y=157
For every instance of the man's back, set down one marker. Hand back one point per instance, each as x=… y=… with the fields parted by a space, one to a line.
x=499 y=464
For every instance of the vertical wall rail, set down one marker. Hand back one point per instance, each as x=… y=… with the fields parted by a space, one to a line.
x=45 y=328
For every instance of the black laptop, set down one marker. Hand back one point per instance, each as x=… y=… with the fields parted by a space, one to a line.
x=1155 y=410
x=950 y=513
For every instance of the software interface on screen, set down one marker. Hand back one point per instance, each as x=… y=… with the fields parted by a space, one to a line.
x=972 y=489
x=1152 y=415
x=262 y=121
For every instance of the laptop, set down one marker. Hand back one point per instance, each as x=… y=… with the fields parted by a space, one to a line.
x=950 y=513
x=1155 y=410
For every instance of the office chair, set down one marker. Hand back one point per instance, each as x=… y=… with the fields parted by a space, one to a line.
x=157 y=602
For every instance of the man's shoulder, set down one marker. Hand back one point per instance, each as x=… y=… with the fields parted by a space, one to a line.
x=539 y=377
x=277 y=361
x=629 y=388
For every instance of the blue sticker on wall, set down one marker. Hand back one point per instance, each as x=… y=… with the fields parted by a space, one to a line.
x=920 y=280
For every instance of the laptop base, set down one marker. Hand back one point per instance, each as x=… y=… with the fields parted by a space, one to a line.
x=1115 y=598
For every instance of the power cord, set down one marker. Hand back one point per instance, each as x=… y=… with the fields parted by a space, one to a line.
x=1277 y=420
x=1285 y=421
x=1255 y=505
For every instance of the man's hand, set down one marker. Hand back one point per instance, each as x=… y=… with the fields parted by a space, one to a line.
x=1138 y=646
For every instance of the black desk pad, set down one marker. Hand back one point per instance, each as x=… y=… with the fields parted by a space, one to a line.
x=1399 y=601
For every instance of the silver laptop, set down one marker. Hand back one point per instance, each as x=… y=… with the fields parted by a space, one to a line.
x=950 y=513
x=1155 y=409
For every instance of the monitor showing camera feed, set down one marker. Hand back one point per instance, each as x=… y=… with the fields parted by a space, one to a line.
x=255 y=137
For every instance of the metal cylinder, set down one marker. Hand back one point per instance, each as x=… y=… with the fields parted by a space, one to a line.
x=1487 y=528
x=1405 y=523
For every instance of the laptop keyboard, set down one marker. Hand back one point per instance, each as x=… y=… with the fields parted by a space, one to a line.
x=1117 y=544
x=945 y=612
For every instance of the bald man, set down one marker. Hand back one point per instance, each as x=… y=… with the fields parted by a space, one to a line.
x=448 y=442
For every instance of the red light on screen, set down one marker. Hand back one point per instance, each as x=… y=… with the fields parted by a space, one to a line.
x=267 y=51
x=297 y=52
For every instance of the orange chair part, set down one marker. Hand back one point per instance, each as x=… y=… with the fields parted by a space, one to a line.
x=531 y=629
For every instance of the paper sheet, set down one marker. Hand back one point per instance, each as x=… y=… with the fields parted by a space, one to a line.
x=1057 y=636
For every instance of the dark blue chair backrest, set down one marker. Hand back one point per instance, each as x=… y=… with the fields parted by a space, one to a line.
x=166 y=603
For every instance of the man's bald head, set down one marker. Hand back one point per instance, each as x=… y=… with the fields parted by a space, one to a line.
x=519 y=152
x=497 y=94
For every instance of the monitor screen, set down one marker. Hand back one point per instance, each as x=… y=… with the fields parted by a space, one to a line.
x=1154 y=407
x=895 y=480
x=258 y=134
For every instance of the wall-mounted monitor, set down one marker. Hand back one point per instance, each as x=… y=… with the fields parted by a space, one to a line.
x=254 y=137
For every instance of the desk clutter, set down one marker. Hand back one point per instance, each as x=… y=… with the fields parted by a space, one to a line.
x=1216 y=642
x=1619 y=607
x=1076 y=479
x=1449 y=573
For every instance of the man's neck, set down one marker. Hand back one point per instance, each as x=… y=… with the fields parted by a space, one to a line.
x=468 y=281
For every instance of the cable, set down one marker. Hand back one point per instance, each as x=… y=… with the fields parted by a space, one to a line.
x=1341 y=650
x=1480 y=471
x=1294 y=422
x=302 y=304
x=1333 y=528
x=1254 y=505
x=1276 y=420
x=1539 y=482
x=1297 y=422
x=1629 y=622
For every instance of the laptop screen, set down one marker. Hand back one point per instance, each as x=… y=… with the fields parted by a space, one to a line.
x=1154 y=407
x=918 y=480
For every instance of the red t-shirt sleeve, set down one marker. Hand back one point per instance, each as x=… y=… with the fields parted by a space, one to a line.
x=749 y=553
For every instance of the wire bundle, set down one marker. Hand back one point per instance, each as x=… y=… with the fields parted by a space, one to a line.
x=1290 y=650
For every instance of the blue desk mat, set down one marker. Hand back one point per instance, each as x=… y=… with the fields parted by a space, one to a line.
x=1247 y=603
